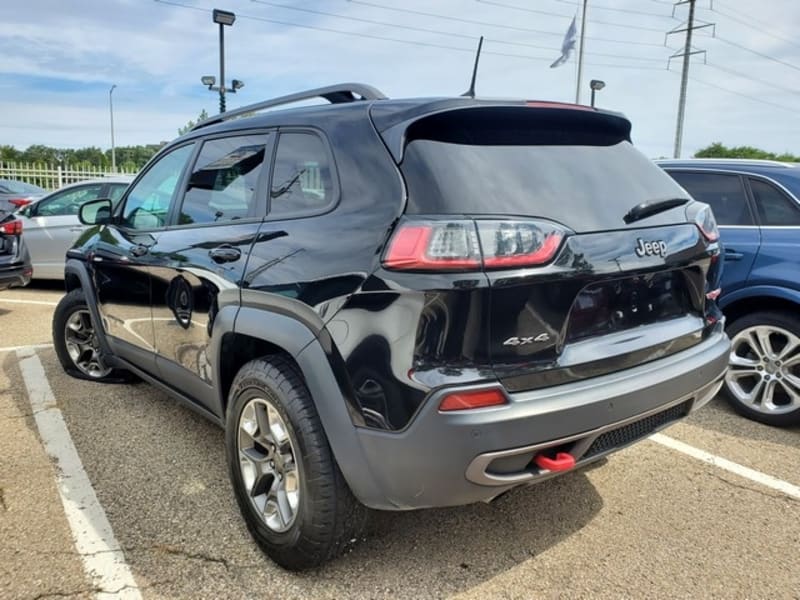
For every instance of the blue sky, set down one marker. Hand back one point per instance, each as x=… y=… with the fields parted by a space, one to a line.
x=60 y=59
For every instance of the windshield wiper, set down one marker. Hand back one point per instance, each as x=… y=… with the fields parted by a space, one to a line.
x=648 y=209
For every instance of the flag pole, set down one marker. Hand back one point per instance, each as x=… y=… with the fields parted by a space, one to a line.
x=580 y=55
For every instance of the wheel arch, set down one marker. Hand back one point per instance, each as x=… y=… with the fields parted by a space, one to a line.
x=759 y=298
x=258 y=332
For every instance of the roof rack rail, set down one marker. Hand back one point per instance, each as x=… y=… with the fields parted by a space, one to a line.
x=335 y=94
x=734 y=161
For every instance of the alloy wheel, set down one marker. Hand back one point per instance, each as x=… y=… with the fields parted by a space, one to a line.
x=82 y=345
x=268 y=464
x=764 y=369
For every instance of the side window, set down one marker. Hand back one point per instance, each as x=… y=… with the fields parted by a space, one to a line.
x=774 y=207
x=302 y=181
x=724 y=193
x=223 y=184
x=115 y=191
x=147 y=203
x=67 y=202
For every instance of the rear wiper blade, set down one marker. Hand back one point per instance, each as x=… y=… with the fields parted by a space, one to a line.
x=648 y=209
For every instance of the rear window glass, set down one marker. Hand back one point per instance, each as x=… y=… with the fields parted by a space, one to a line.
x=582 y=174
x=584 y=187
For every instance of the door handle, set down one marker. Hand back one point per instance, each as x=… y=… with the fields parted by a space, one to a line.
x=76 y=229
x=731 y=254
x=139 y=250
x=223 y=254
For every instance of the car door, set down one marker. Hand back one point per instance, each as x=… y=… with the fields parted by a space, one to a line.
x=121 y=257
x=741 y=238
x=202 y=255
x=779 y=217
x=51 y=226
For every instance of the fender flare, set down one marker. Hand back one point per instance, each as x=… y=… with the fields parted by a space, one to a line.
x=305 y=346
x=80 y=270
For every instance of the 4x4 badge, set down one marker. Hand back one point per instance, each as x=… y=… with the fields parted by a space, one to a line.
x=522 y=341
x=656 y=247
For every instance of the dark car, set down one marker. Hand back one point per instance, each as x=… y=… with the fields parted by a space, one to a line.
x=15 y=262
x=757 y=206
x=16 y=194
x=401 y=304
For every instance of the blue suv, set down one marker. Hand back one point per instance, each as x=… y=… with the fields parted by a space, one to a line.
x=757 y=206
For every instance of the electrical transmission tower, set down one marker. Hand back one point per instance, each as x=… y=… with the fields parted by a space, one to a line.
x=688 y=50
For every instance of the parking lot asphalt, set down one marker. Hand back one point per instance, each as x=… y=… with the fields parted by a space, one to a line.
x=649 y=522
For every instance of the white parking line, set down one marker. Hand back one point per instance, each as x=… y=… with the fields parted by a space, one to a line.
x=103 y=559
x=31 y=346
x=723 y=463
x=20 y=301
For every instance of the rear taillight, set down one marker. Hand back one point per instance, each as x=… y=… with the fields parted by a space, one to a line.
x=702 y=216
x=469 y=245
x=12 y=227
x=434 y=246
x=468 y=400
x=19 y=202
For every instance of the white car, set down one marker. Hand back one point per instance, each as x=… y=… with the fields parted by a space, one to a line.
x=51 y=223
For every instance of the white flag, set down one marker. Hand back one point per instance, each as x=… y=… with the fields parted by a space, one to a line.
x=568 y=45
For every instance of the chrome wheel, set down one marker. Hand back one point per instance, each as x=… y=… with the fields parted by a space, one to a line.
x=764 y=369
x=82 y=345
x=267 y=460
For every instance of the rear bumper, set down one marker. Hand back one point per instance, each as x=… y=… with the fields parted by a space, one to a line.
x=446 y=459
x=16 y=275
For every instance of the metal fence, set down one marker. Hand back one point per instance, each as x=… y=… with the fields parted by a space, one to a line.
x=52 y=177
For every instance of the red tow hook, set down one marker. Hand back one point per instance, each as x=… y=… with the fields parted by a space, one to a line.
x=563 y=461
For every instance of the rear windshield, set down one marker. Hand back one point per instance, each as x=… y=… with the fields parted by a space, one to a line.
x=503 y=168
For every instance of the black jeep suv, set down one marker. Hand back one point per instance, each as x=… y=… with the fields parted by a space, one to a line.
x=400 y=304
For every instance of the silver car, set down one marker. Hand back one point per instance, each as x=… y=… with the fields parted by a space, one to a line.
x=51 y=223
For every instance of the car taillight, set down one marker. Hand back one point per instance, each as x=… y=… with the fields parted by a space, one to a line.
x=12 y=227
x=437 y=246
x=19 y=202
x=468 y=245
x=468 y=400
x=702 y=216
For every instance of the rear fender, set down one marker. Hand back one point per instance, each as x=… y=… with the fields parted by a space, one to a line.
x=318 y=360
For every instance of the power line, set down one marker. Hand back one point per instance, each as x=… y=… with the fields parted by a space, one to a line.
x=749 y=77
x=443 y=33
x=756 y=52
x=748 y=21
x=628 y=11
x=382 y=38
x=735 y=93
x=489 y=24
x=552 y=14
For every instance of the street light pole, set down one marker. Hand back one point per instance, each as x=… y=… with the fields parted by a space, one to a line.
x=221 y=68
x=111 y=113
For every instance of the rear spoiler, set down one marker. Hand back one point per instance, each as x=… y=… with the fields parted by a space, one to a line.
x=539 y=123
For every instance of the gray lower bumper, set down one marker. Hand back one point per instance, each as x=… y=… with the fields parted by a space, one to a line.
x=447 y=459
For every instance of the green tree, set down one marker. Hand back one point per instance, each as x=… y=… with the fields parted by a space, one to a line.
x=719 y=150
x=188 y=127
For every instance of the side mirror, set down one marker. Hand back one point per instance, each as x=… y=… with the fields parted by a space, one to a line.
x=96 y=212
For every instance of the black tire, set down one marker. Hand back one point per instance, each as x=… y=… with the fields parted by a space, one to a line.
x=73 y=305
x=782 y=374
x=327 y=518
